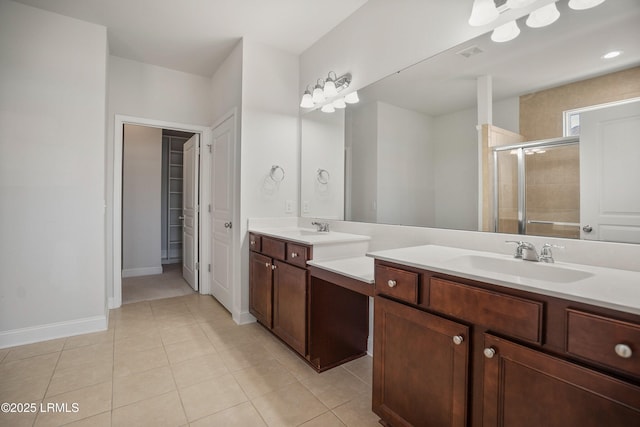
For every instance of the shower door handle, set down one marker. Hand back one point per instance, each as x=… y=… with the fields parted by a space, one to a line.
x=587 y=228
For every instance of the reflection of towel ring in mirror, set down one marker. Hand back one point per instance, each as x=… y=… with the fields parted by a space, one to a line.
x=276 y=173
x=323 y=176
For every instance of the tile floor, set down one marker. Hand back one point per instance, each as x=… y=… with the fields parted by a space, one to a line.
x=177 y=362
x=158 y=286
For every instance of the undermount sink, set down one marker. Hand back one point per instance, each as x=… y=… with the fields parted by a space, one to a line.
x=520 y=268
x=303 y=232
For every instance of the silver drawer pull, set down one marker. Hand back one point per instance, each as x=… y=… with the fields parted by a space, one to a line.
x=458 y=339
x=623 y=351
x=294 y=255
x=253 y=242
x=392 y=283
x=266 y=264
x=489 y=352
x=273 y=267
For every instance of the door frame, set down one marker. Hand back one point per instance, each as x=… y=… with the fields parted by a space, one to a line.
x=205 y=139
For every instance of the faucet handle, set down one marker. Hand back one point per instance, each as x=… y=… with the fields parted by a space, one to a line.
x=545 y=252
x=519 y=245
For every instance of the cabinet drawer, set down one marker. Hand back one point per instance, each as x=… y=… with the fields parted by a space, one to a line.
x=514 y=316
x=297 y=254
x=273 y=248
x=397 y=283
x=255 y=242
x=604 y=340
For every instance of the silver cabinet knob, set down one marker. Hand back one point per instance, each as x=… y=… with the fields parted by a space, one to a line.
x=623 y=351
x=227 y=225
x=458 y=339
x=294 y=255
x=266 y=264
x=489 y=352
x=587 y=228
x=252 y=243
x=273 y=267
x=392 y=283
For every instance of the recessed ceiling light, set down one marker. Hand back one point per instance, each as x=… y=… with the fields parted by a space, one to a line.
x=612 y=54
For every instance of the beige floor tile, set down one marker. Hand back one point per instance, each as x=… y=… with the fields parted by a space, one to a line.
x=3 y=353
x=361 y=368
x=328 y=419
x=211 y=396
x=138 y=342
x=126 y=329
x=90 y=401
x=143 y=385
x=237 y=336
x=160 y=411
x=19 y=419
x=181 y=333
x=130 y=363
x=242 y=415
x=83 y=375
x=33 y=367
x=289 y=406
x=185 y=350
x=357 y=412
x=335 y=387
x=290 y=360
x=263 y=378
x=37 y=349
x=100 y=420
x=27 y=389
x=104 y=337
x=198 y=369
x=96 y=353
x=245 y=356
x=220 y=324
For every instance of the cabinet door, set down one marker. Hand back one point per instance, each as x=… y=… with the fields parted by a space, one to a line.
x=419 y=372
x=261 y=288
x=290 y=305
x=524 y=387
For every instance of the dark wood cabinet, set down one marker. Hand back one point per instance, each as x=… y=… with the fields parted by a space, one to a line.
x=420 y=367
x=524 y=387
x=290 y=286
x=261 y=288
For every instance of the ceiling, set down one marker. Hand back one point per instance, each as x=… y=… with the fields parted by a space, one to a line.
x=195 y=36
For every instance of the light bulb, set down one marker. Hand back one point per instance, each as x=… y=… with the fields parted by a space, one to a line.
x=339 y=103
x=506 y=32
x=330 y=88
x=584 y=4
x=544 y=16
x=318 y=94
x=307 y=100
x=483 y=12
x=327 y=108
x=352 y=98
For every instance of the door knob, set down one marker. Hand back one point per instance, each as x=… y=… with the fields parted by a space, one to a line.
x=227 y=225
x=587 y=228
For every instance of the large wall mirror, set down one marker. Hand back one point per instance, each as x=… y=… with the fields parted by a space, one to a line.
x=412 y=152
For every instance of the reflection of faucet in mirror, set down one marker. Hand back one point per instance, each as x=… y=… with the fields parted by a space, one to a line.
x=322 y=227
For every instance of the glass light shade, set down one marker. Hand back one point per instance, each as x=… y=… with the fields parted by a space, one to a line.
x=483 y=12
x=544 y=16
x=318 y=95
x=352 y=98
x=330 y=88
x=307 y=101
x=612 y=54
x=506 y=32
x=584 y=4
x=327 y=108
x=339 y=103
x=517 y=4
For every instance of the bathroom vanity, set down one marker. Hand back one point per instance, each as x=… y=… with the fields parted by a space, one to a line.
x=457 y=344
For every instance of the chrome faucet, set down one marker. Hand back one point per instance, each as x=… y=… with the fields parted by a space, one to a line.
x=525 y=250
x=322 y=227
x=545 y=252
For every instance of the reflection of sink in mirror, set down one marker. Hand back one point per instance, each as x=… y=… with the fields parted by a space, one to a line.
x=520 y=268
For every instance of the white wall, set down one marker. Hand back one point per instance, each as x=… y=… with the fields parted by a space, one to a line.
x=141 y=201
x=226 y=85
x=405 y=167
x=52 y=122
x=323 y=135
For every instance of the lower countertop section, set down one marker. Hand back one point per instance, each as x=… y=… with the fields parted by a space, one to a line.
x=356 y=274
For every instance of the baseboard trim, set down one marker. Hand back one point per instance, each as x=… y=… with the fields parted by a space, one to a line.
x=51 y=331
x=243 y=318
x=146 y=271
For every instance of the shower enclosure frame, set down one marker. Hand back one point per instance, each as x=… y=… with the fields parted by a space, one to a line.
x=521 y=186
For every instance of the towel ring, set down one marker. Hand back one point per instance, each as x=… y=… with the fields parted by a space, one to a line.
x=276 y=173
x=323 y=176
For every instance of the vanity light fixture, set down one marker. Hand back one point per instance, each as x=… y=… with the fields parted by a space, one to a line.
x=544 y=16
x=483 y=12
x=326 y=93
x=584 y=4
x=506 y=32
x=330 y=89
x=307 y=99
x=327 y=108
x=318 y=92
x=518 y=4
x=339 y=103
x=352 y=98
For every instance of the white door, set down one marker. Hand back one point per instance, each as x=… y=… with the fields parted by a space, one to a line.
x=190 y=210
x=610 y=173
x=222 y=197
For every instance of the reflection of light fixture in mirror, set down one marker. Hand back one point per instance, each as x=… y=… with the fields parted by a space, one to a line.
x=352 y=98
x=483 y=12
x=339 y=103
x=318 y=93
x=330 y=86
x=327 y=108
x=517 y=4
x=584 y=4
x=506 y=32
x=612 y=54
x=544 y=16
x=307 y=99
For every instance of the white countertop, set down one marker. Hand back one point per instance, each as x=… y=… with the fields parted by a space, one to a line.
x=308 y=236
x=359 y=268
x=604 y=287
